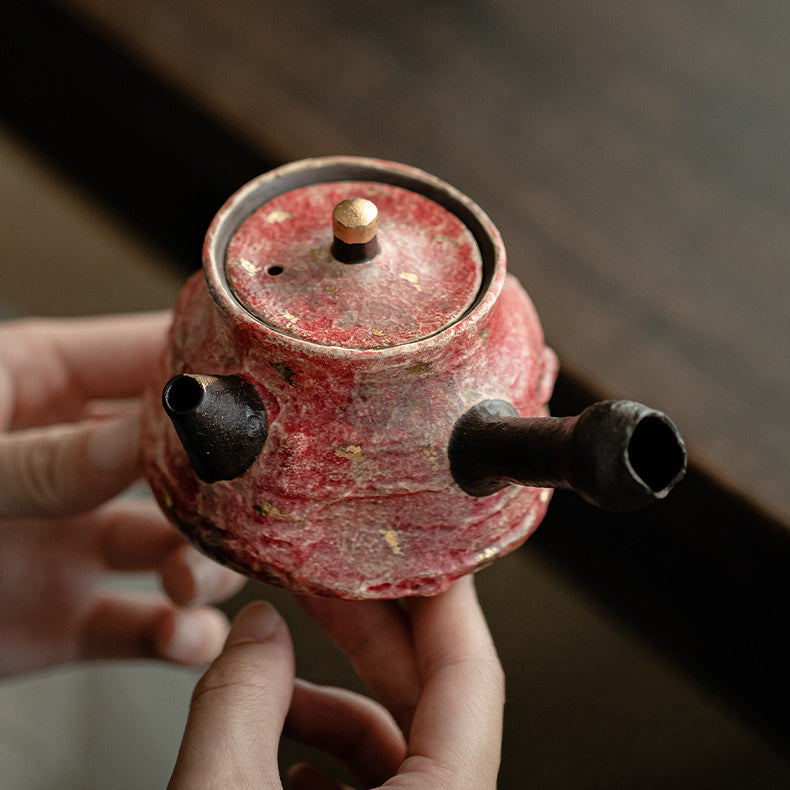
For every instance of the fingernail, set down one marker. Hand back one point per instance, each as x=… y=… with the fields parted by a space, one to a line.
x=257 y=622
x=183 y=637
x=192 y=636
x=114 y=445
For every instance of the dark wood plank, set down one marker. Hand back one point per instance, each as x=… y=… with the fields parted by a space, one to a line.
x=632 y=153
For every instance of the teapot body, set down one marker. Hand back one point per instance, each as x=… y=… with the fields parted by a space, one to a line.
x=351 y=494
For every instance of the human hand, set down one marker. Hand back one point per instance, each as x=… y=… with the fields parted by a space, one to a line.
x=430 y=662
x=69 y=437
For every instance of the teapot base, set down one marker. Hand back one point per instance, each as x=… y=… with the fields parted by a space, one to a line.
x=348 y=554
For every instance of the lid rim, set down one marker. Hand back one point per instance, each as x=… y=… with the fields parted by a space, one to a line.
x=307 y=172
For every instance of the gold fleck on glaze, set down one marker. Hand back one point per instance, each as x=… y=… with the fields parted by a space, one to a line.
x=422 y=367
x=411 y=278
x=352 y=452
x=249 y=267
x=484 y=333
x=279 y=216
x=331 y=289
x=167 y=499
x=292 y=319
x=433 y=458
x=393 y=540
x=268 y=510
x=445 y=239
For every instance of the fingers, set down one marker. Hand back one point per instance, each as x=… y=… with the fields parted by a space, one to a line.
x=448 y=655
x=376 y=636
x=67 y=469
x=239 y=706
x=457 y=730
x=353 y=728
x=130 y=535
x=131 y=625
x=190 y=636
x=136 y=536
x=52 y=367
x=190 y=578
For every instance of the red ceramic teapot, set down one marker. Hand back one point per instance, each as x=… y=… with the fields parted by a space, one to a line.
x=353 y=400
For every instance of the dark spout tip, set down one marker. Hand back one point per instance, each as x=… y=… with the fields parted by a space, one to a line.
x=182 y=394
x=220 y=420
x=618 y=455
x=625 y=455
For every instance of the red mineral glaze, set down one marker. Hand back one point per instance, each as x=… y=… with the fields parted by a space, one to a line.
x=352 y=494
x=281 y=269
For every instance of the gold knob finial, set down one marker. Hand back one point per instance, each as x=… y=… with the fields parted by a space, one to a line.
x=355 y=221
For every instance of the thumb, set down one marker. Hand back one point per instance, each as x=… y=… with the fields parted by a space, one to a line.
x=64 y=469
x=239 y=706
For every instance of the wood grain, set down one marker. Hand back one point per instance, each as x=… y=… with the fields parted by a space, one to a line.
x=633 y=154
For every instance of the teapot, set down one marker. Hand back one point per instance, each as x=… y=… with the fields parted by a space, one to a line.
x=353 y=400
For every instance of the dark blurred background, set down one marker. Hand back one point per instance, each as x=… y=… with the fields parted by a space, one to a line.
x=634 y=157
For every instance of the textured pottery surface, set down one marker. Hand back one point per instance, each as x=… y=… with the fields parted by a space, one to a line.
x=363 y=370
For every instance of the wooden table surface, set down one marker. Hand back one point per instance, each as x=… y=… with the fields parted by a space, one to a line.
x=634 y=155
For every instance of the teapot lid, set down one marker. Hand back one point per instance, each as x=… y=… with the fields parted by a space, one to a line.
x=355 y=263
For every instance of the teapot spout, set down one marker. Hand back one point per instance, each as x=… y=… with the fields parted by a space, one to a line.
x=617 y=455
x=220 y=420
